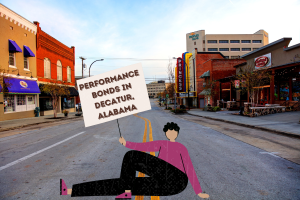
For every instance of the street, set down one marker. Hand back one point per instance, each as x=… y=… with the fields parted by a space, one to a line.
x=33 y=162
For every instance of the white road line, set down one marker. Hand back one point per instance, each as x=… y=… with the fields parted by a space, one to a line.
x=270 y=153
x=40 y=151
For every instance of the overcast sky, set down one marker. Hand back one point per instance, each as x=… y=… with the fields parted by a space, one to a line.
x=153 y=30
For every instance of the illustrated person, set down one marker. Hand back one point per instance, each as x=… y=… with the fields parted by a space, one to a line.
x=168 y=173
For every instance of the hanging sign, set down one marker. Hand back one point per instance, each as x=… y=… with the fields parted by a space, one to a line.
x=263 y=61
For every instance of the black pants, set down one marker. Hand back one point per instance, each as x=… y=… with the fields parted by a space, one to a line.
x=164 y=179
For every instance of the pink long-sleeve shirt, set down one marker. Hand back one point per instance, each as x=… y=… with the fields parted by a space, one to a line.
x=174 y=153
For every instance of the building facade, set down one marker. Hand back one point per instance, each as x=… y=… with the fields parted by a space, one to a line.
x=55 y=64
x=155 y=87
x=18 y=83
x=230 y=45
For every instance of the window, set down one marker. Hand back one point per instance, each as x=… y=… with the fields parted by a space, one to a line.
x=212 y=49
x=69 y=74
x=47 y=68
x=59 y=71
x=26 y=63
x=212 y=41
x=234 y=49
x=46 y=104
x=246 y=41
x=12 y=59
x=223 y=49
x=21 y=100
x=246 y=49
x=254 y=49
x=9 y=103
x=256 y=41
x=11 y=28
x=194 y=43
x=67 y=103
x=234 y=41
x=203 y=49
x=25 y=34
x=203 y=41
x=226 y=57
x=235 y=57
x=223 y=41
x=30 y=100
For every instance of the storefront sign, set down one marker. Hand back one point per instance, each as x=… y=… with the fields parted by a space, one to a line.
x=194 y=36
x=114 y=94
x=263 y=61
x=180 y=75
x=237 y=83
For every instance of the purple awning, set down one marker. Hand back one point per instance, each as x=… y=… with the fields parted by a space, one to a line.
x=22 y=86
x=13 y=47
x=28 y=52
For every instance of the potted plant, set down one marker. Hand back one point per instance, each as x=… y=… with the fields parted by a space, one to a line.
x=37 y=111
x=65 y=112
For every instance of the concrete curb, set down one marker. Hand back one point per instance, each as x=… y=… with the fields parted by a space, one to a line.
x=251 y=126
x=44 y=122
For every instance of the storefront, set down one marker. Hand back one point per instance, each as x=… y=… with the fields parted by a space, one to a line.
x=20 y=98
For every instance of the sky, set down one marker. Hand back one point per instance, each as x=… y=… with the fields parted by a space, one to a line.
x=152 y=32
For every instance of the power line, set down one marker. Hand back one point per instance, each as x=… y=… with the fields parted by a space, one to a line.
x=145 y=59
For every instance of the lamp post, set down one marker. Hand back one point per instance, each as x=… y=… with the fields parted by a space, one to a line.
x=91 y=66
x=188 y=85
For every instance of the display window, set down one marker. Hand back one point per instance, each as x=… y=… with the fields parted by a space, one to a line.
x=296 y=90
x=284 y=91
x=9 y=103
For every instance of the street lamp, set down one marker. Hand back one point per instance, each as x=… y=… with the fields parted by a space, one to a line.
x=188 y=85
x=91 y=66
x=16 y=70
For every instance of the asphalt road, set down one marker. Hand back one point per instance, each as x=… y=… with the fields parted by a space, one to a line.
x=32 y=163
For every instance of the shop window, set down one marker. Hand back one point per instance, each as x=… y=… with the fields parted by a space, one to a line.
x=30 y=100
x=296 y=90
x=26 y=63
x=21 y=100
x=67 y=103
x=46 y=104
x=12 y=59
x=47 y=68
x=59 y=71
x=284 y=91
x=9 y=103
x=69 y=74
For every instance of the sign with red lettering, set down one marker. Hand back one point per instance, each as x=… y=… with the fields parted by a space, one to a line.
x=114 y=94
x=263 y=61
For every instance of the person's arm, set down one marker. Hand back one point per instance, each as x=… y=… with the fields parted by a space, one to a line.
x=191 y=174
x=145 y=146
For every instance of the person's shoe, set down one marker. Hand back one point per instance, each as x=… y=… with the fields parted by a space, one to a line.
x=63 y=188
x=124 y=196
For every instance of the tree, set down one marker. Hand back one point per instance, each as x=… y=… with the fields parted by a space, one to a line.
x=171 y=76
x=210 y=88
x=4 y=84
x=55 y=90
x=251 y=81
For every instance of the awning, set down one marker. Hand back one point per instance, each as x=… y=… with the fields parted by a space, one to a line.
x=15 y=85
x=205 y=92
x=73 y=91
x=13 y=47
x=205 y=74
x=28 y=52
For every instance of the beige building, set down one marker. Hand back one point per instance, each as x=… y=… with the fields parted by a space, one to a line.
x=230 y=45
x=19 y=90
x=156 y=87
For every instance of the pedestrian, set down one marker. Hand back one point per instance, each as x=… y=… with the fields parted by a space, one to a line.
x=168 y=173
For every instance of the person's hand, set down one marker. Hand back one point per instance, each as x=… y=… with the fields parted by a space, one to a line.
x=204 y=196
x=122 y=141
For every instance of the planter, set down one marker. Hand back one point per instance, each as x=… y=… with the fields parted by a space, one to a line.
x=66 y=114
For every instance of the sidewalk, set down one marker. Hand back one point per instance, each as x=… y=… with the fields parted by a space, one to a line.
x=19 y=123
x=283 y=123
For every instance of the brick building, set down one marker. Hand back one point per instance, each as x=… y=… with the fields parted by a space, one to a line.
x=55 y=63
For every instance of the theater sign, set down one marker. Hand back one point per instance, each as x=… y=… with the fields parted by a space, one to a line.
x=263 y=61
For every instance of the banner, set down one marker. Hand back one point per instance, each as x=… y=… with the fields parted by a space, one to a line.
x=114 y=94
x=180 y=75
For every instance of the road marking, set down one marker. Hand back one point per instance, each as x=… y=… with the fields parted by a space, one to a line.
x=270 y=153
x=151 y=153
x=40 y=151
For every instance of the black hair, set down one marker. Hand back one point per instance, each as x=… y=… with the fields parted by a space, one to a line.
x=171 y=126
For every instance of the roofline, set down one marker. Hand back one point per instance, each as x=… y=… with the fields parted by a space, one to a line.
x=292 y=47
x=18 y=14
x=204 y=52
x=196 y=31
x=296 y=62
x=266 y=46
x=242 y=64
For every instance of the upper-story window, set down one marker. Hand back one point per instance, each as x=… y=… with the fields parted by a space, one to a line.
x=212 y=41
x=12 y=59
x=246 y=41
x=234 y=41
x=223 y=41
x=256 y=41
x=246 y=49
x=254 y=49
x=26 y=63
x=223 y=49
x=212 y=49
x=69 y=73
x=59 y=71
x=47 y=68
x=234 y=49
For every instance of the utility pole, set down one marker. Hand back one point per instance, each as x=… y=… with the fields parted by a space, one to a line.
x=82 y=58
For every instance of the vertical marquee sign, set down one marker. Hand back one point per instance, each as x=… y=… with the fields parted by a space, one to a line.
x=180 y=75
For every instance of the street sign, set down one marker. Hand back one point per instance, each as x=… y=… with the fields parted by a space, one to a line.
x=167 y=96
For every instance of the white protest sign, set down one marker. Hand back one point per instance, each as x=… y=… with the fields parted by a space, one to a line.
x=114 y=94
